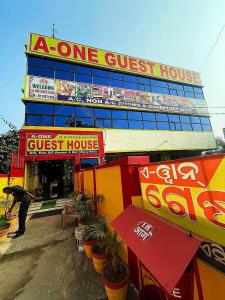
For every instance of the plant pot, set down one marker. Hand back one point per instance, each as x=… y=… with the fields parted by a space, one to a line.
x=116 y=290
x=4 y=232
x=79 y=231
x=100 y=260
x=87 y=247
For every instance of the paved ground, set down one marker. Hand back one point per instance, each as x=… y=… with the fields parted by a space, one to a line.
x=44 y=264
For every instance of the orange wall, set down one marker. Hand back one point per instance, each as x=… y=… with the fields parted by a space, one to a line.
x=213 y=282
x=89 y=182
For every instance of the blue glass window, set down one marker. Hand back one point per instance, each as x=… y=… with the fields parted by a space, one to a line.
x=199 y=96
x=100 y=73
x=141 y=87
x=64 y=110
x=39 y=108
x=178 y=126
x=119 y=114
x=188 y=88
x=161 y=117
x=172 y=126
x=143 y=80
x=84 y=122
x=82 y=69
x=180 y=93
x=102 y=113
x=198 y=90
x=130 y=85
x=36 y=61
x=173 y=118
x=148 y=88
x=115 y=75
x=38 y=71
x=197 y=127
x=160 y=90
x=88 y=162
x=83 y=78
x=100 y=80
x=65 y=121
x=64 y=66
x=150 y=125
x=130 y=78
x=205 y=120
x=120 y=124
x=159 y=83
x=99 y=123
x=195 y=119
x=173 y=92
x=176 y=86
x=148 y=116
x=107 y=124
x=34 y=120
x=185 y=119
x=163 y=125
x=135 y=124
x=189 y=94
x=206 y=127
x=59 y=74
x=186 y=127
x=134 y=115
x=84 y=111
x=116 y=83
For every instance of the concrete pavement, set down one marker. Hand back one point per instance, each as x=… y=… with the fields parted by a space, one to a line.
x=45 y=264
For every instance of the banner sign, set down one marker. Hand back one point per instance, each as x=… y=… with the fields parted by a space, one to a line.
x=92 y=94
x=189 y=193
x=213 y=254
x=52 y=47
x=45 y=143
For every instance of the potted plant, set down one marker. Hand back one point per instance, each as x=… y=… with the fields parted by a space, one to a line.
x=98 y=231
x=4 y=227
x=116 y=273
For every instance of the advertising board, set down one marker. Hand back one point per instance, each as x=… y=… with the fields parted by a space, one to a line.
x=55 y=48
x=189 y=193
x=91 y=94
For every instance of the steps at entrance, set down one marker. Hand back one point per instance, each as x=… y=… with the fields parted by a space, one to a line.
x=37 y=209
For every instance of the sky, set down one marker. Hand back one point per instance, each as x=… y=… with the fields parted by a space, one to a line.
x=175 y=32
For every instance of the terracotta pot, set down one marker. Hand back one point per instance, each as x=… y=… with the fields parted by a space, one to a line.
x=87 y=247
x=4 y=232
x=99 y=260
x=117 y=290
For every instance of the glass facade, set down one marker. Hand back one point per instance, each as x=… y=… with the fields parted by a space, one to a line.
x=71 y=72
x=38 y=114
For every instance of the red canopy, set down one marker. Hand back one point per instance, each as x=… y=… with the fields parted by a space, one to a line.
x=163 y=248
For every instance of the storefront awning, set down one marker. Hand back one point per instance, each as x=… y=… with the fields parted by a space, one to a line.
x=163 y=248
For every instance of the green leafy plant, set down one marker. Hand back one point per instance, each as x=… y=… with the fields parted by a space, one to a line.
x=97 y=230
x=3 y=221
x=84 y=212
x=114 y=247
x=5 y=204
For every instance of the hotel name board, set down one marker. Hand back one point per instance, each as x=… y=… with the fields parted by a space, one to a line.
x=60 y=49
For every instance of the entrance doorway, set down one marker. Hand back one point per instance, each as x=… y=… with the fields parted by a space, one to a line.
x=50 y=179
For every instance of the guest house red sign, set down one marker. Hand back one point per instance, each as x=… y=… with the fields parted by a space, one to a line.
x=46 y=142
x=190 y=193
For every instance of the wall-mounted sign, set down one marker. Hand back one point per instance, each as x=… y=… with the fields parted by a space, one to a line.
x=52 y=47
x=189 y=192
x=213 y=254
x=92 y=94
x=67 y=143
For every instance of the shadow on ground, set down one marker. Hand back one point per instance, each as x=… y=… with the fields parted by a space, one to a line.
x=45 y=264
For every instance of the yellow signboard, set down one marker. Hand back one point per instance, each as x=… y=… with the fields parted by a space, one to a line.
x=189 y=193
x=52 y=47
